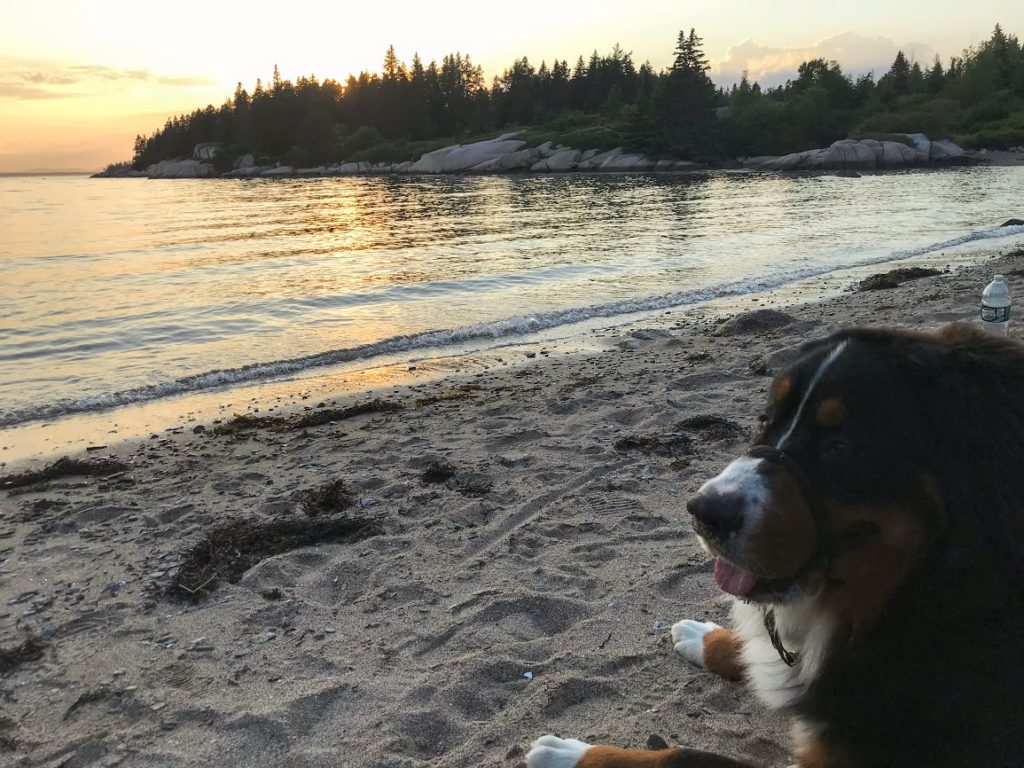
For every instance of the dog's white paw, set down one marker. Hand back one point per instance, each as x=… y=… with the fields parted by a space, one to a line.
x=552 y=752
x=688 y=639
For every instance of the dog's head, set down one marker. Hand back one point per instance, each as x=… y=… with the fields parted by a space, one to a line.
x=843 y=490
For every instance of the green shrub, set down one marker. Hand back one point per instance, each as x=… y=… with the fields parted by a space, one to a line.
x=361 y=139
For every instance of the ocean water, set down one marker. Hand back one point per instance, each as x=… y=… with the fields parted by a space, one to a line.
x=124 y=291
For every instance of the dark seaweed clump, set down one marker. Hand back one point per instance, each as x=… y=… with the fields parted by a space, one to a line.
x=29 y=650
x=892 y=279
x=244 y=423
x=671 y=444
x=438 y=472
x=711 y=427
x=328 y=415
x=229 y=550
x=64 y=467
x=327 y=499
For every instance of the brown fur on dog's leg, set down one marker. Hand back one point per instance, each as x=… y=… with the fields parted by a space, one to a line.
x=722 y=653
x=601 y=756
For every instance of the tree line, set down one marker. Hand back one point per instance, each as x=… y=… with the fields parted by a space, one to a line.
x=977 y=98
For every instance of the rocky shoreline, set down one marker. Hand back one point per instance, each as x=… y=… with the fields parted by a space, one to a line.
x=867 y=155
x=507 y=154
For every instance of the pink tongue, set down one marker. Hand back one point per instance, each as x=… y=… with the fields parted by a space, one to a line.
x=733 y=580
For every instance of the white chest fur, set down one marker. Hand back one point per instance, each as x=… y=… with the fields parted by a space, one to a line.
x=803 y=628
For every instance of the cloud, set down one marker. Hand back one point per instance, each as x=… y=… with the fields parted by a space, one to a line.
x=27 y=80
x=186 y=81
x=857 y=54
x=24 y=92
x=42 y=77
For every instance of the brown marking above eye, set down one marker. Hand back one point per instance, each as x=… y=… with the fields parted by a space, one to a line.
x=831 y=413
x=782 y=389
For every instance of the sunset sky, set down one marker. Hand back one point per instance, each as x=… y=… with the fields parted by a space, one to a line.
x=79 y=79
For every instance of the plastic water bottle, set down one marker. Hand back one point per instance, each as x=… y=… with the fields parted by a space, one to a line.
x=995 y=306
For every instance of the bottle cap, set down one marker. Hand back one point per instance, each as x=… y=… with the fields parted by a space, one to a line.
x=999 y=277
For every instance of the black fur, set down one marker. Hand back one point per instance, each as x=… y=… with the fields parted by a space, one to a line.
x=938 y=679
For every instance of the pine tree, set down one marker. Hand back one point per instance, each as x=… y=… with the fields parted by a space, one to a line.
x=682 y=108
x=916 y=79
x=900 y=74
x=935 y=79
x=393 y=68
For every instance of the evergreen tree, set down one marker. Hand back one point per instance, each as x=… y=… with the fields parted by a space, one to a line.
x=935 y=79
x=978 y=100
x=682 y=106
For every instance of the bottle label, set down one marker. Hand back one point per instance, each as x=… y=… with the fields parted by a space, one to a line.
x=995 y=314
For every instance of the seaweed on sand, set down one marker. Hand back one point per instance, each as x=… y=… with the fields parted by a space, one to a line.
x=229 y=550
x=668 y=444
x=326 y=499
x=327 y=415
x=64 y=467
x=468 y=483
x=244 y=423
x=438 y=472
x=893 y=278
x=712 y=427
x=29 y=650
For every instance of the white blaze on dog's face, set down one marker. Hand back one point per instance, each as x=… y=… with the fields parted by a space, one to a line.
x=754 y=515
x=830 y=497
x=754 y=518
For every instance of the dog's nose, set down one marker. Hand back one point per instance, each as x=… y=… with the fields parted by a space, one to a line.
x=718 y=515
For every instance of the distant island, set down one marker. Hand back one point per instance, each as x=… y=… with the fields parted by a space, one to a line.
x=380 y=121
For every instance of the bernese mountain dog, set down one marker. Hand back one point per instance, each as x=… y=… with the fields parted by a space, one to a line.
x=872 y=540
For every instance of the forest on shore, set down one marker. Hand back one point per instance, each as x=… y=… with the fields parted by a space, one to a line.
x=976 y=99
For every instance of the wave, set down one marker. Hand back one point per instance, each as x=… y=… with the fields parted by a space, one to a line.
x=490 y=331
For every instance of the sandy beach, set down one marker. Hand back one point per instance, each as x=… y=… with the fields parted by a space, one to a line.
x=504 y=559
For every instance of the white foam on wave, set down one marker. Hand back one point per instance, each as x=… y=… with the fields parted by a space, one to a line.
x=512 y=326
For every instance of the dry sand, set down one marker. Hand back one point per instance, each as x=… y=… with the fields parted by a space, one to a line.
x=531 y=592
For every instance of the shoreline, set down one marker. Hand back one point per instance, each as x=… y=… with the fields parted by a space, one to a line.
x=506 y=154
x=532 y=555
x=44 y=438
x=988 y=160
